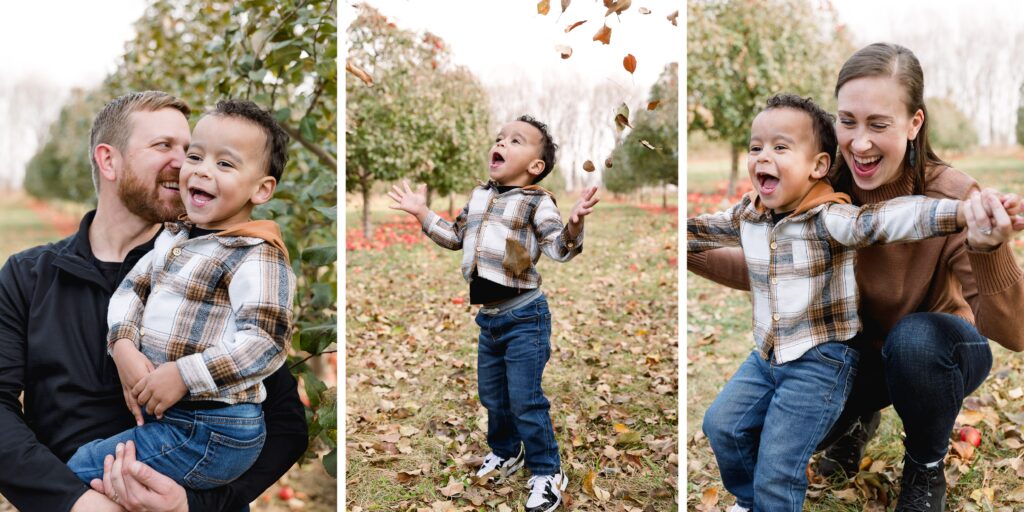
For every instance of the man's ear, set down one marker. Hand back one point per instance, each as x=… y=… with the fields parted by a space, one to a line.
x=536 y=167
x=264 y=190
x=107 y=159
x=822 y=163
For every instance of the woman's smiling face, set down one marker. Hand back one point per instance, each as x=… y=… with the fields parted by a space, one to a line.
x=873 y=127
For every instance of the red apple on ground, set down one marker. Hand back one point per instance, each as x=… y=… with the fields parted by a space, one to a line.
x=286 y=493
x=970 y=435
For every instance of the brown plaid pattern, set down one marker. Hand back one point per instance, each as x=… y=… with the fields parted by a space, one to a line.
x=802 y=281
x=220 y=307
x=491 y=225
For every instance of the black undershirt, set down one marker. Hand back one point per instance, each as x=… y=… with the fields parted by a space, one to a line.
x=484 y=291
x=778 y=216
x=197 y=232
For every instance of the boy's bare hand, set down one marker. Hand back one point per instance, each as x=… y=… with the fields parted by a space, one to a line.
x=583 y=207
x=408 y=201
x=132 y=366
x=161 y=389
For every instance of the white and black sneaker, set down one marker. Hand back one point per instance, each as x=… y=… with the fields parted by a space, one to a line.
x=546 y=492
x=494 y=465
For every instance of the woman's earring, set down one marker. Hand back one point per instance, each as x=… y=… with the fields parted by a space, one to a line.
x=911 y=153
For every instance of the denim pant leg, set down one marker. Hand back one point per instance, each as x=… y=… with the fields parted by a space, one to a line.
x=809 y=395
x=492 y=386
x=733 y=426
x=151 y=439
x=932 y=361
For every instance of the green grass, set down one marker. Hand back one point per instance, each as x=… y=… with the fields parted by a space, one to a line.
x=22 y=228
x=718 y=339
x=411 y=362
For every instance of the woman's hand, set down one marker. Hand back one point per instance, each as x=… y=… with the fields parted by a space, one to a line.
x=989 y=222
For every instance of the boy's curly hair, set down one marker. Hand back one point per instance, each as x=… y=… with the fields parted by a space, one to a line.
x=548 y=152
x=822 y=123
x=277 y=139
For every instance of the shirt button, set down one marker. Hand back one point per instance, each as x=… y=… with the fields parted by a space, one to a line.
x=142 y=332
x=177 y=251
x=773 y=245
x=775 y=280
x=478 y=249
x=570 y=244
x=775 y=317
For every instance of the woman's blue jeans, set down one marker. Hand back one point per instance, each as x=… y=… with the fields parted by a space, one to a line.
x=198 y=449
x=766 y=422
x=513 y=348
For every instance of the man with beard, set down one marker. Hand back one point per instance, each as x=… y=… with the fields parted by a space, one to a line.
x=53 y=309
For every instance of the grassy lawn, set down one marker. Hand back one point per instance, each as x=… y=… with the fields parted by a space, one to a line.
x=718 y=339
x=415 y=429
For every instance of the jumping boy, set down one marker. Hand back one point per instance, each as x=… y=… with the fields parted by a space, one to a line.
x=507 y=224
x=206 y=315
x=799 y=240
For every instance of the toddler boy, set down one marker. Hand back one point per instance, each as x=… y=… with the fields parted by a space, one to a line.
x=206 y=315
x=508 y=222
x=799 y=240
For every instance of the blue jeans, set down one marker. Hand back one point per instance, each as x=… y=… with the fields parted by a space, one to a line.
x=198 y=449
x=766 y=422
x=514 y=347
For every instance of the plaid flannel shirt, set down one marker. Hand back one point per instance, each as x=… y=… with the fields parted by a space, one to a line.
x=802 y=281
x=219 y=306
x=504 y=234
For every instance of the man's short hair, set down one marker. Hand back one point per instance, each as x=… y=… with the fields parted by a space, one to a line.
x=113 y=124
x=277 y=139
x=548 y=146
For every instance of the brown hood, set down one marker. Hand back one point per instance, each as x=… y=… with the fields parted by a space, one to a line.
x=821 y=193
x=265 y=229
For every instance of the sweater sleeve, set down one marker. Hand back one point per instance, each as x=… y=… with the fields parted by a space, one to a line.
x=724 y=266
x=33 y=479
x=993 y=285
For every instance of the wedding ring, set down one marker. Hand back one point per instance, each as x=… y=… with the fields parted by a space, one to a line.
x=986 y=231
x=116 y=497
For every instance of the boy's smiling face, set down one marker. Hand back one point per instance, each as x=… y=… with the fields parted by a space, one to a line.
x=224 y=173
x=784 y=161
x=515 y=157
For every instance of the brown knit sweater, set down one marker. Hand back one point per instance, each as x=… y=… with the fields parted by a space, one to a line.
x=938 y=275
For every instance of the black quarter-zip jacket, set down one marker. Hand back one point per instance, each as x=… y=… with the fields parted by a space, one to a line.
x=53 y=312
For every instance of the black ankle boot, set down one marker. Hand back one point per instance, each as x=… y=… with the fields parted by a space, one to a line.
x=922 y=489
x=845 y=453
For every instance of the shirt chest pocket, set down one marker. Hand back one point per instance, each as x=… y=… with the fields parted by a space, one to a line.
x=199 y=279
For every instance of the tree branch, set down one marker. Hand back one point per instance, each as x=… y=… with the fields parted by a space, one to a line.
x=324 y=156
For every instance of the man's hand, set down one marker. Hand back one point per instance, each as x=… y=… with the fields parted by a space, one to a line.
x=161 y=389
x=132 y=366
x=414 y=203
x=136 y=486
x=95 y=501
x=582 y=208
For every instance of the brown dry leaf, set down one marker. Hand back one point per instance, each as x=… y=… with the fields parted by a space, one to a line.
x=453 y=488
x=608 y=163
x=601 y=494
x=620 y=428
x=672 y=17
x=709 y=497
x=1016 y=494
x=971 y=418
x=627 y=438
x=405 y=477
x=618 y=6
x=629 y=62
x=644 y=10
x=964 y=450
x=604 y=35
x=565 y=4
x=588 y=482
x=984 y=495
x=621 y=122
x=653 y=105
x=564 y=50
x=574 y=25
x=359 y=73
x=610 y=452
x=588 y=166
x=848 y=495
x=543 y=7
x=647 y=144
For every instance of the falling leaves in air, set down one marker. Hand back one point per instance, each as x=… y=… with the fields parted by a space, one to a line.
x=565 y=4
x=648 y=145
x=644 y=10
x=618 y=6
x=574 y=25
x=672 y=17
x=629 y=62
x=653 y=105
x=608 y=163
x=564 y=50
x=359 y=73
x=588 y=166
x=622 y=117
x=543 y=7
x=604 y=35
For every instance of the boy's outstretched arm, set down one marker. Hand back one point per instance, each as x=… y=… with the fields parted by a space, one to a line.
x=584 y=206
x=443 y=233
x=413 y=203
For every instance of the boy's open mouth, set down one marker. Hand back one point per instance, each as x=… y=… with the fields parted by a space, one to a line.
x=767 y=183
x=496 y=160
x=199 y=196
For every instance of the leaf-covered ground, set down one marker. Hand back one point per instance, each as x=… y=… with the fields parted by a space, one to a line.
x=988 y=478
x=415 y=429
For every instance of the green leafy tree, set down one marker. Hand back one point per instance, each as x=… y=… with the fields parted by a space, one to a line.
x=649 y=154
x=740 y=52
x=283 y=56
x=951 y=129
x=422 y=117
x=1020 y=118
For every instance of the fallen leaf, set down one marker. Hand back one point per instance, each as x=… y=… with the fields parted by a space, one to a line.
x=709 y=497
x=647 y=144
x=588 y=166
x=848 y=495
x=543 y=7
x=1016 y=494
x=644 y=10
x=653 y=105
x=454 y=487
x=588 y=482
x=608 y=163
x=604 y=35
x=629 y=62
x=964 y=450
x=359 y=73
x=672 y=17
x=405 y=477
x=564 y=50
x=618 y=6
x=574 y=25
x=620 y=428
